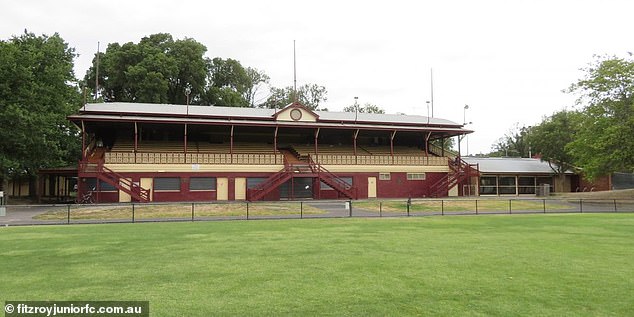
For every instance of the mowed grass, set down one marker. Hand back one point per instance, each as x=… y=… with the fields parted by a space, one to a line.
x=495 y=265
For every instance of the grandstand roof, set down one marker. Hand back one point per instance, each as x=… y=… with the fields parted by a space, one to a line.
x=121 y=111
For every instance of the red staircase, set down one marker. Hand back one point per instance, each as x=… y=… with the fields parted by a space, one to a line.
x=460 y=171
x=333 y=180
x=274 y=181
x=115 y=179
x=302 y=169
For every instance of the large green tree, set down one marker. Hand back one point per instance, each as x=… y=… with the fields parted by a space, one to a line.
x=550 y=138
x=38 y=89
x=605 y=142
x=231 y=84
x=156 y=70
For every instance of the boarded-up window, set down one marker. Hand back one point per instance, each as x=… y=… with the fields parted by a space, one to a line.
x=252 y=182
x=202 y=183
x=325 y=186
x=167 y=183
x=415 y=176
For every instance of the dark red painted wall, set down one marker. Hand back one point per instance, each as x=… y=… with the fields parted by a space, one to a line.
x=397 y=187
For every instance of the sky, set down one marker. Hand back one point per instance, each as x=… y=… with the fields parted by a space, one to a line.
x=509 y=61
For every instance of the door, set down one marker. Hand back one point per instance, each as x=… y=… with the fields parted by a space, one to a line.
x=123 y=196
x=241 y=188
x=147 y=184
x=371 y=187
x=222 y=189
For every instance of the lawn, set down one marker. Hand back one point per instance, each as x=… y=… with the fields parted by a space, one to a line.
x=494 y=265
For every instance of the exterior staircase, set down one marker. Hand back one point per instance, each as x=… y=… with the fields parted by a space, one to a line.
x=460 y=171
x=115 y=179
x=301 y=169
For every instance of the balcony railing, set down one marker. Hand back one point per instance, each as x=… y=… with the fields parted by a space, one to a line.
x=193 y=158
x=330 y=159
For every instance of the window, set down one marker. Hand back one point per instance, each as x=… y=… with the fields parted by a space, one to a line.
x=385 y=176
x=252 y=182
x=324 y=186
x=103 y=186
x=415 y=176
x=526 y=185
x=488 y=185
x=507 y=185
x=202 y=183
x=167 y=183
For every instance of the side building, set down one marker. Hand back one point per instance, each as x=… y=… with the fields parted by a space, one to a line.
x=159 y=152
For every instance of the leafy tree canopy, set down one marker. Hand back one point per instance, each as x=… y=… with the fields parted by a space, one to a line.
x=309 y=95
x=37 y=91
x=366 y=108
x=513 y=144
x=550 y=138
x=604 y=142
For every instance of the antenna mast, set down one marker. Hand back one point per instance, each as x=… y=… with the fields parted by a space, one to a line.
x=97 y=74
x=294 y=74
x=431 y=73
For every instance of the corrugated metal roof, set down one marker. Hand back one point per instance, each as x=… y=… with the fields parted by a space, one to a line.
x=256 y=113
x=511 y=165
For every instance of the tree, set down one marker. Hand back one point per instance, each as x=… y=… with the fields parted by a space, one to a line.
x=38 y=89
x=604 y=142
x=256 y=78
x=550 y=138
x=309 y=95
x=366 y=108
x=156 y=70
x=513 y=144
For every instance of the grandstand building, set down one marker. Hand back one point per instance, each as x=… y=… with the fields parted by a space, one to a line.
x=159 y=152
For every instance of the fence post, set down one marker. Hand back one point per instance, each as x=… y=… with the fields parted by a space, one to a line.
x=544 y=203
x=192 y=211
x=409 y=202
x=380 y=209
x=615 y=210
x=581 y=205
x=476 y=206
x=301 y=210
x=68 y=214
x=350 y=205
x=510 y=208
x=442 y=207
x=132 y=212
x=247 y=210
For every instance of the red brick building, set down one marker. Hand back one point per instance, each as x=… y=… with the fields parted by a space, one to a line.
x=158 y=152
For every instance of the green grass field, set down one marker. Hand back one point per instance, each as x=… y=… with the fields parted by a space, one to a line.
x=498 y=265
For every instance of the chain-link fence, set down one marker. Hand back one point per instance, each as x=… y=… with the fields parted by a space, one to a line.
x=210 y=211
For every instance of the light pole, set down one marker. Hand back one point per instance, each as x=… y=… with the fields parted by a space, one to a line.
x=187 y=92
x=356 y=108
x=427 y=102
x=464 y=123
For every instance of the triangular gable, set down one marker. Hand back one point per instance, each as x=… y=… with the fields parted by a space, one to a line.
x=296 y=112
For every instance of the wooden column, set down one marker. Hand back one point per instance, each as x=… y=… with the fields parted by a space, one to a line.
x=275 y=140
x=136 y=140
x=83 y=141
x=231 y=144
x=354 y=144
x=392 y=143
x=185 y=141
x=316 y=147
x=427 y=144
